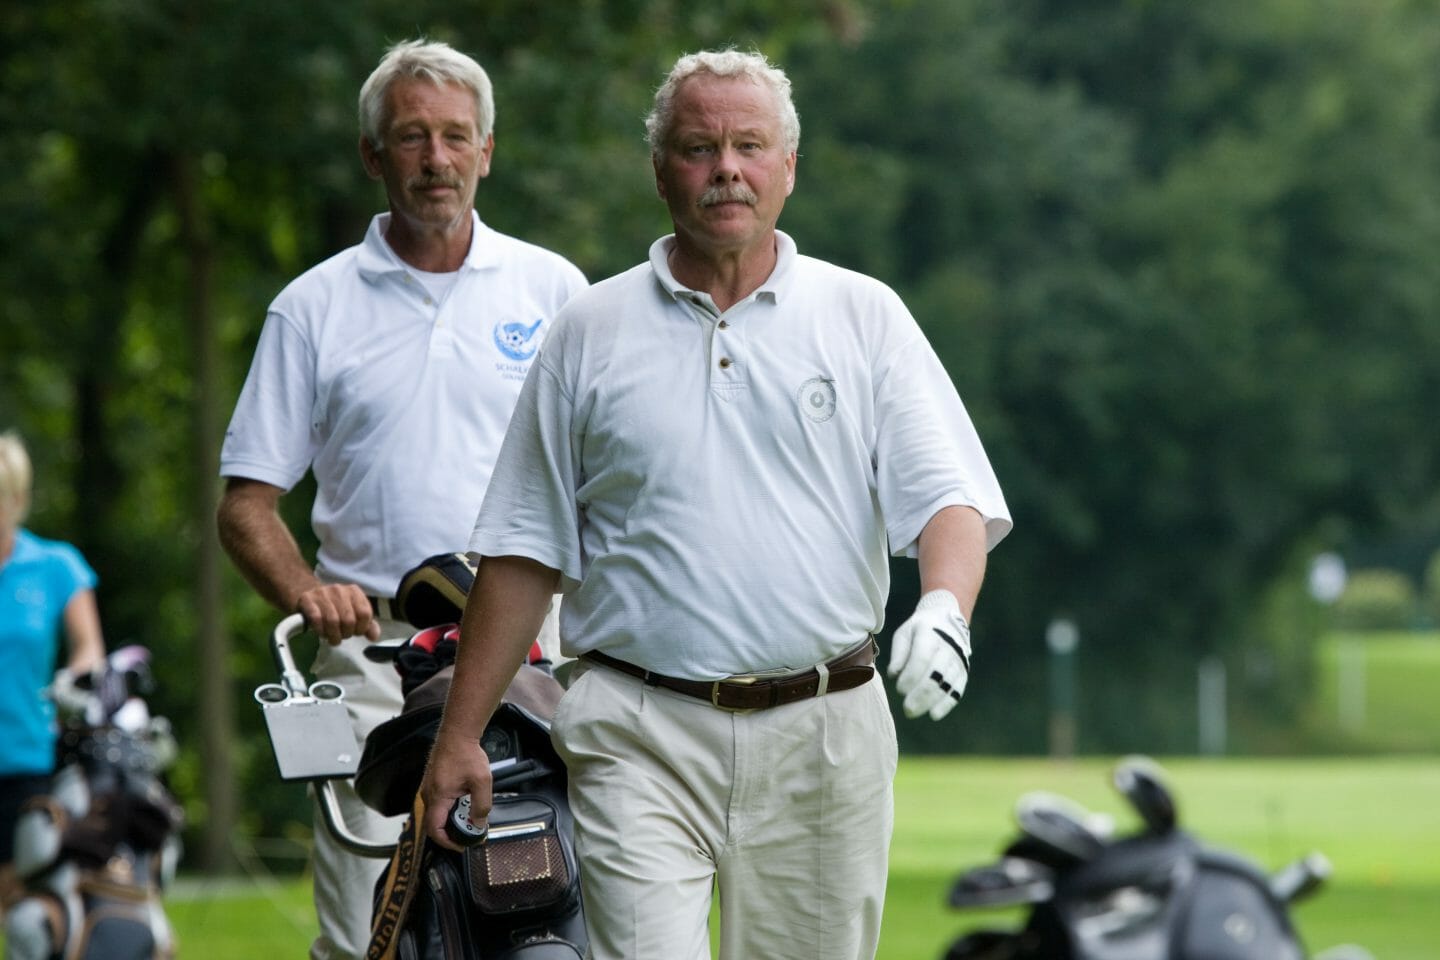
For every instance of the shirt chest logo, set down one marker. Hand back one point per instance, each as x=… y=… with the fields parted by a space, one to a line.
x=517 y=340
x=816 y=399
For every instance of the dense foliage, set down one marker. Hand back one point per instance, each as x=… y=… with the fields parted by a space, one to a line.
x=1181 y=260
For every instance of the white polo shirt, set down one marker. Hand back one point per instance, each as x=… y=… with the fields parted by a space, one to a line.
x=396 y=392
x=720 y=493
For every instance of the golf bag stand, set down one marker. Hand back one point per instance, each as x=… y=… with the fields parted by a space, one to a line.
x=97 y=852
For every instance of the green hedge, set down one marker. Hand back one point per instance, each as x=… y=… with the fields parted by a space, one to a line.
x=1377 y=599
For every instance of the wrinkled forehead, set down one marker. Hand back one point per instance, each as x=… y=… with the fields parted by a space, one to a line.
x=706 y=101
x=411 y=98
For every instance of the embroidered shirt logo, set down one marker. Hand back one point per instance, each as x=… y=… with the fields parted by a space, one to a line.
x=516 y=340
x=817 y=399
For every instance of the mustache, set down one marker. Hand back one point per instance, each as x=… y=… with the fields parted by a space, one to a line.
x=737 y=193
x=426 y=183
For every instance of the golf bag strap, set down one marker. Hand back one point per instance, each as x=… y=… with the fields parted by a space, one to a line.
x=402 y=879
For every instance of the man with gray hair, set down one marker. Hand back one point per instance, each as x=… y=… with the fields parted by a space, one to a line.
x=390 y=371
x=713 y=458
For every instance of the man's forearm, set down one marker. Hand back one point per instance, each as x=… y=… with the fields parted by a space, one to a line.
x=503 y=614
x=952 y=555
x=260 y=545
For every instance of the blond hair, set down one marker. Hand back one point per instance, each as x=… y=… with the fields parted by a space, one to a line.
x=15 y=478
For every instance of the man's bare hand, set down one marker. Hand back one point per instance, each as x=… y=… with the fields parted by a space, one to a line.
x=335 y=611
x=458 y=766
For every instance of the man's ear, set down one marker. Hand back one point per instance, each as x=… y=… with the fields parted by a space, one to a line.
x=370 y=157
x=659 y=181
x=487 y=154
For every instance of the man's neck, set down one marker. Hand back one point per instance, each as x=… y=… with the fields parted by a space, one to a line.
x=432 y=249
x=728 y=276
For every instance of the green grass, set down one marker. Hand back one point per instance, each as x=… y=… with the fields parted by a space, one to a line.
x=234 y=920
x=1377 y=820
x=1396 y=676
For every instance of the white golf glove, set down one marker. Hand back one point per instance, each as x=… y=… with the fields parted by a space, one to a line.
x=931 y=653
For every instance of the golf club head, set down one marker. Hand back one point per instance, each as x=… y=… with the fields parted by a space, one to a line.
x=1141 y=781
x=1008 y=882
x=1061 y=827
x=1302 y=878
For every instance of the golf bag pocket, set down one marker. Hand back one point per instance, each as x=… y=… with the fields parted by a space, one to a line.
x=525 y=868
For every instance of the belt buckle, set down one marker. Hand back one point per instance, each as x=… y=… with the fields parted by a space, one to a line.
x=736 y=681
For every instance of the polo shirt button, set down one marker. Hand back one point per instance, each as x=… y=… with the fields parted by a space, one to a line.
x=724 y=363
x=724 y=324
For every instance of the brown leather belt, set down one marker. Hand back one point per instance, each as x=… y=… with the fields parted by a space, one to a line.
x=846 y=672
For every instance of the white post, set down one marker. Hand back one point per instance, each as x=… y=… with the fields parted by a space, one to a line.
x=1062 y=636
x=1351 y=664
x=1210 y=698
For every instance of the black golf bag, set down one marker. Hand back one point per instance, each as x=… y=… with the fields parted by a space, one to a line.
x=517 y=895
x=97 y=852
x=1159 y=894
x=514 y=897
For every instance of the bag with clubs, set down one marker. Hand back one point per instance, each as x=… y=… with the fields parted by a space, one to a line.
x=515 y=896
x=1156 y=894
x=96 y=854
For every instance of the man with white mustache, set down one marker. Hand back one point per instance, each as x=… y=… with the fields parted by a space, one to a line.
x=713 y=458
x=390 y=372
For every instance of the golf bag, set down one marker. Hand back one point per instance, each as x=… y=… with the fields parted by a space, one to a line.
x=514 y=897
x=517 y=895
x=1159 y=894
x=97 y=852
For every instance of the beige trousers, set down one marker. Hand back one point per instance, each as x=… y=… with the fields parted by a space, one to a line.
x=785 y=813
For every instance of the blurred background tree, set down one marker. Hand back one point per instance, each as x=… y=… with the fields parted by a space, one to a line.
x=1181 y=260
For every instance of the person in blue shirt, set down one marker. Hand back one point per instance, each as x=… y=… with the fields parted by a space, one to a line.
x=46 y=590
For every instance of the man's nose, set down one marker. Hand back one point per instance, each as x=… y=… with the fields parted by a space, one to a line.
x=435 y=155
x=727 y=170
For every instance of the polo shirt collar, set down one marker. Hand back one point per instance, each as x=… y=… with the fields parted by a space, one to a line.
x=24 y=549
x=785 y=256
x=377 y=259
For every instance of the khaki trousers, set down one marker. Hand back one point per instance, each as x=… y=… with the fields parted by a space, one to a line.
x=785 y=813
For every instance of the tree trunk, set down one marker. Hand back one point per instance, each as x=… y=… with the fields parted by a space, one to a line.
x=217 y=730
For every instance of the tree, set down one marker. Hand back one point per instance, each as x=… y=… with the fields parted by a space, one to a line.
x=1178 y=260
x=175 y=165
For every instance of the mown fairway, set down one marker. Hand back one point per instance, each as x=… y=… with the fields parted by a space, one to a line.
x=1378 y=821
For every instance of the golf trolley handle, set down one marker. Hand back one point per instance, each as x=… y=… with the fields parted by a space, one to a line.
x=286 y=630
x=334 y=819
x=330 y=812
